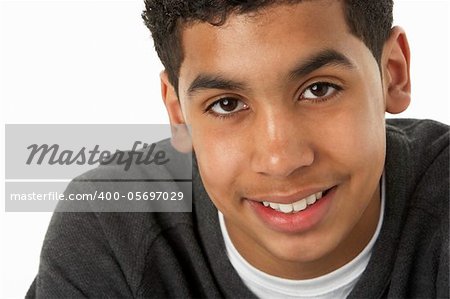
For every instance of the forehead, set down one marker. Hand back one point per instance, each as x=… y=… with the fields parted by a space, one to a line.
x=280 y=34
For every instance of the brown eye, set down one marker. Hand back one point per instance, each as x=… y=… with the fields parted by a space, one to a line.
x=227 y=106
x=320 y=90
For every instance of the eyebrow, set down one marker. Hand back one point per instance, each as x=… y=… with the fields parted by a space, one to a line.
x=326 y=57
x=207 y=81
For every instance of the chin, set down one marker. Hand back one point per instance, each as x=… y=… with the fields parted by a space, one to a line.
x=299 y=251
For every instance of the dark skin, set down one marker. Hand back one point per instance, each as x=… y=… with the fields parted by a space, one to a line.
x=285 y=102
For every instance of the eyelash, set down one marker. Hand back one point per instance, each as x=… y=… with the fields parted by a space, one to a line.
x=209 y=110
x=337 y=88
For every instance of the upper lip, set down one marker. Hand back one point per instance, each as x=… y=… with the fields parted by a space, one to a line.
x=288 y=198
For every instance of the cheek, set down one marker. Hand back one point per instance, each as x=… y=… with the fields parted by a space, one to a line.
x=219 y=160
x=360 y=123
x=361 y=154
x=360 y=142
x=368 y=140
x=219 y=154
x=358 y=129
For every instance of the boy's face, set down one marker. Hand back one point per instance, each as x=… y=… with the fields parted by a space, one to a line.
x=284 y=104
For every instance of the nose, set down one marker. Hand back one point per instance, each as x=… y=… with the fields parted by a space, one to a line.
x=281 y=145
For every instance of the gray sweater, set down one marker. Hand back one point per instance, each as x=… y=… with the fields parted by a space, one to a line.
x=182 y=255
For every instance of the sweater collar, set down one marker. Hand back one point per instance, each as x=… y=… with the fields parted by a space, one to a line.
x=376 y=278
x=205 y=213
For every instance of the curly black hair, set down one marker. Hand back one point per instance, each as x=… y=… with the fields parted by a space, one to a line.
x=369 y=20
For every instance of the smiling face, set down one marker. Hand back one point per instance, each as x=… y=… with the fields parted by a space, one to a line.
x=286 y=109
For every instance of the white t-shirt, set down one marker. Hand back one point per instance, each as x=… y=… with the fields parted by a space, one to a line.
x=337 y=284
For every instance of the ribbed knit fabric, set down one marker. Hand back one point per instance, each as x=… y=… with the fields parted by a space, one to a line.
x=182 y=255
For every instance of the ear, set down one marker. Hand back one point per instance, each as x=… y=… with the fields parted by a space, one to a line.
x=181 y=138
x=396 y=75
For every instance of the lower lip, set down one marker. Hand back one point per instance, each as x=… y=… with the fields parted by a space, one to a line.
x=299 y=222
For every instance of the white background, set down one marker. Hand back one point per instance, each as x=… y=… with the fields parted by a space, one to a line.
x=93 y=62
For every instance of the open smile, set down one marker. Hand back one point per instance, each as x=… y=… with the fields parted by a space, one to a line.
x=294 y=216
x=297 y=206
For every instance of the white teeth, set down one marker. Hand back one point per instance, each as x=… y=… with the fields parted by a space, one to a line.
x=296 y=206
x=300 y=205
x=274 y=206
x=318 y=195
x=286 y=208
x=311 y=199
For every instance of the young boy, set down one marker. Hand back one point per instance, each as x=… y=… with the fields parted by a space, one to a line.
x=300 y=187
